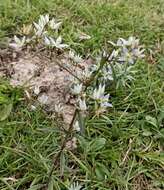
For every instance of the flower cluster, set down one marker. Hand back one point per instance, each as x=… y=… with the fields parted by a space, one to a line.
x=118 y=68
x=89 y=87
x=121 y=62
x=39 y=27
x=90 y=94
x=41 y=34
x=129 y=51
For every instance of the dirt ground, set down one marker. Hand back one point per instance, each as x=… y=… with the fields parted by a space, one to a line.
x=43 y=78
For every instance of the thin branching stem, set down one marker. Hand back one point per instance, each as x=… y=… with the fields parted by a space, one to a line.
x=63 y=145
x=69 y=131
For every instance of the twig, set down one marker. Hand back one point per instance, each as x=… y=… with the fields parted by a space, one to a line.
x=69 y=71
x=65 y=68
x=38 y=51
x=62 y=147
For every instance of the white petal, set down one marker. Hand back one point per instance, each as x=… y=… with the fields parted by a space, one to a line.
x=17 y=40
x=43 y=99
x=36 y=26
x=47 y=18
x=33 y=108
x=76 y=126
x=47 y=41
x=59 y=40
x=61 y=46
x=36 y=90
x=52 y=41
x=82 y=105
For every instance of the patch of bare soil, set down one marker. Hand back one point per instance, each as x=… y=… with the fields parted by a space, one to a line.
x=6 y=57
x=43 y=79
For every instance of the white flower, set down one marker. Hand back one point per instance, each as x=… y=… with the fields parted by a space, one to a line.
x=104 y=98
x=55 y=43
x=129 y=50
x=98 y=93
x=43 y=99
x=86 y=73
x=47 y=41
x=77 y=89
x=76 y=126
x=46 y=18
x=103 y=107
x=104 y=101
x=82 y=105
x=126 y=56
x=105 y=54
x=18 y=43
x=58 y=43
x=33 y=108
x=40 y=26
x=94 y=67
x=133 y=42
x=138 y=53
x=71 y=54
x=38 y=29
x=75 y=186
x=76 y=58
x=58 y=108
x=106 y=105
x=36 y=90
x=43 y=20
x=107 y=73
x=54 y=25
x=122 y=42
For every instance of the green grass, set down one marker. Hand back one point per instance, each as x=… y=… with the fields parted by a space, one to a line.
x=132 y=157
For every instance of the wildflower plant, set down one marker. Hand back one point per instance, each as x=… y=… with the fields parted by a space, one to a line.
x=75 y=186
x=91 y=84
x=119 y=67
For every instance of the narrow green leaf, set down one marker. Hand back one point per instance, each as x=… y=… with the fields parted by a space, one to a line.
x=151 y=120
x=5 y=112
x=97 y=144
